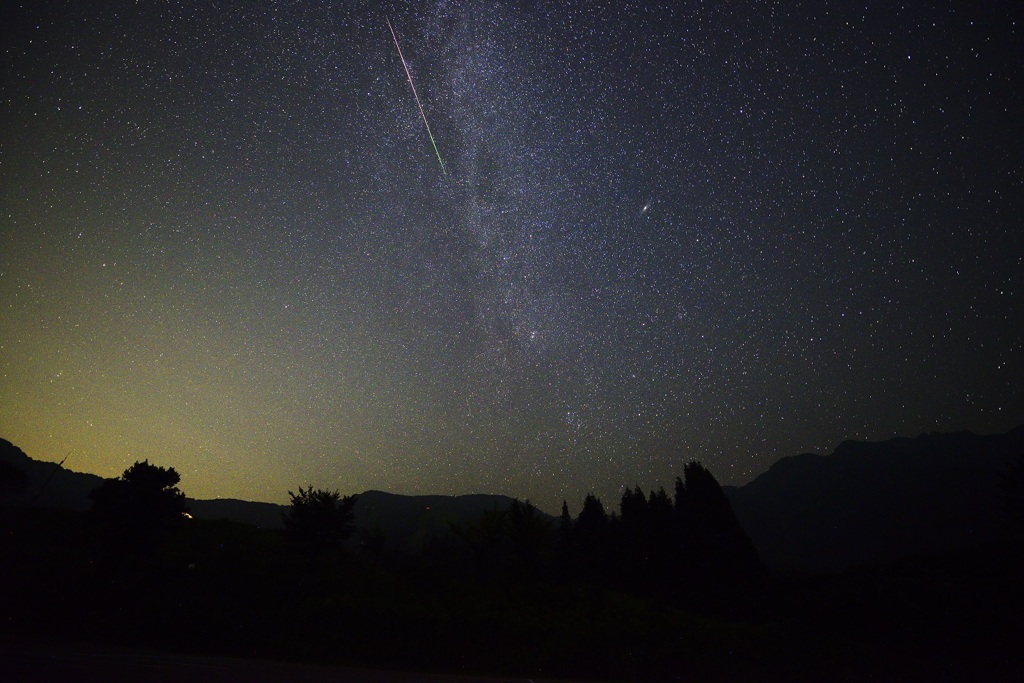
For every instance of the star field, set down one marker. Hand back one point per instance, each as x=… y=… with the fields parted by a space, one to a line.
x=723 y=231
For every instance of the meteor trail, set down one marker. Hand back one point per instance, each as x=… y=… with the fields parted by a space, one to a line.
x=418 y=103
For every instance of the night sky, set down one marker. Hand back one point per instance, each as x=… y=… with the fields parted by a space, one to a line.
x=715 y=230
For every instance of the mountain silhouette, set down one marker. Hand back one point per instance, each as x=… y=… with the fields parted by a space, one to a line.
x=407 y=522
x=50 y=485
x=865 y=503
x=264 y=515
x=876 y=502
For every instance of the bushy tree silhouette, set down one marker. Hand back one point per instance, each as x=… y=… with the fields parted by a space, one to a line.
x=318 y=521
x=141 y=505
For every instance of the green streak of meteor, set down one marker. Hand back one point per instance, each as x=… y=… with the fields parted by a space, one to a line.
x=418 y=103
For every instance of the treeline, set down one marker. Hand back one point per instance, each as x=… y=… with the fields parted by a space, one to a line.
x=689 y=545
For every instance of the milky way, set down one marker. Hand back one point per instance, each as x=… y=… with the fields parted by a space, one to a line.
x=676 y=231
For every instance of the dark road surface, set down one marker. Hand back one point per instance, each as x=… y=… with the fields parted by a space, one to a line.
x=42 y=661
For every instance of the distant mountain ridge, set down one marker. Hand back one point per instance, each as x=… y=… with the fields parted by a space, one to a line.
x=50 y=485
x=265 y=515
x=406 y=521
x=875 y=502
x=864 y=503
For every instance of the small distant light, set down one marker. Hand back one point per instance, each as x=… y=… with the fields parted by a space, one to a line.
x=186 y=515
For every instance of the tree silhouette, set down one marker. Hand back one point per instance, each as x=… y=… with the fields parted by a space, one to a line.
x=645 y=538
x=141 y=505
x=530 y=532
x=318 y=521
x=564 y=546
x=659 y=505
x=592 y=523
x=564 y=525
x=713 y=548
x=633 y=511
x=590 y=537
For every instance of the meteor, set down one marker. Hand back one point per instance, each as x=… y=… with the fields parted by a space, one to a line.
x=418 y=103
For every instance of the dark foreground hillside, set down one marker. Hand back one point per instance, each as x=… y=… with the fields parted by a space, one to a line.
x=222 y=588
